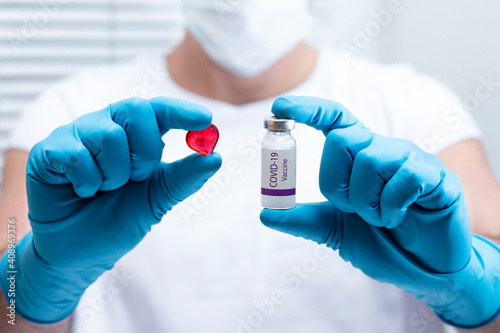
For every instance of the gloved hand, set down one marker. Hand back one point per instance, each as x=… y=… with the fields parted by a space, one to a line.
x=395 y=212
x=95 y=187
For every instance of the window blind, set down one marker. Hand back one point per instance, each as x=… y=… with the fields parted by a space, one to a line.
x=43 y=41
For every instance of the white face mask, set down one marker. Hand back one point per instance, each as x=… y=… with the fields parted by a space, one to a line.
x=246 y=37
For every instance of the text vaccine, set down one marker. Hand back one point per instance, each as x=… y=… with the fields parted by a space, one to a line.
x=278 y=164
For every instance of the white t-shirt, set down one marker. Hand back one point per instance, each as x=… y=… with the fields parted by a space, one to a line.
x=211 y=266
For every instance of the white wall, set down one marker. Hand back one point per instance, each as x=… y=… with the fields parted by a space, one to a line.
x=457 y=42
x=337 y=22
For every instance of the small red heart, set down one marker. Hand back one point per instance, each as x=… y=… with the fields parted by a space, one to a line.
x=204 y=141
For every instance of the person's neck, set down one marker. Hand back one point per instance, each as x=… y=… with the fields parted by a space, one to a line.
x=192 y=69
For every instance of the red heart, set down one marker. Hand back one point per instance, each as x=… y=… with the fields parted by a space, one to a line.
x=204 y=141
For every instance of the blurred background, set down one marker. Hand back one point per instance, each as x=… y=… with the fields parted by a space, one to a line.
x=455 y=41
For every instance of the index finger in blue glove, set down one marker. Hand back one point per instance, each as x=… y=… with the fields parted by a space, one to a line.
x=321 y=114
x=146 y=121
x=346 y=136
x=173 y=113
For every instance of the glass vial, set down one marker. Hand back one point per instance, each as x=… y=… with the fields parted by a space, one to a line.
x=278 y=164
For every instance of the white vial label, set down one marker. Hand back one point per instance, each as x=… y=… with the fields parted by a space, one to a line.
x=278 y=178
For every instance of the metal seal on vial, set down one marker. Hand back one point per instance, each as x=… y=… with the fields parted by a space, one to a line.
x=274 y=123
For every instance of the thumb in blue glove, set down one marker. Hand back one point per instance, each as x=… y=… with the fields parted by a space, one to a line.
x=95 y=188
x=395 y=212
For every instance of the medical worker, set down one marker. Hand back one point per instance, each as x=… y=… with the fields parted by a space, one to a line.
x=123 y=242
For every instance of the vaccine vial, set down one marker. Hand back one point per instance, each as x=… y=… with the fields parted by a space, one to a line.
x=278 y=164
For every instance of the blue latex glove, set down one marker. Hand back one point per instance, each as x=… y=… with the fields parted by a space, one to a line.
x=395 y=212
x=95 y=187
